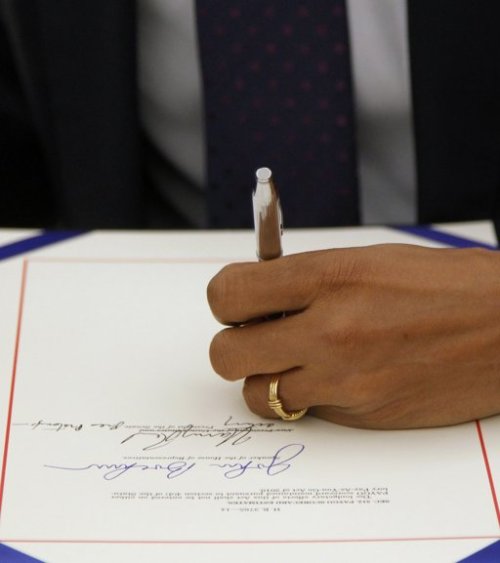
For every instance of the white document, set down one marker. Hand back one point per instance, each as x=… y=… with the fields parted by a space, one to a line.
x=119 y=433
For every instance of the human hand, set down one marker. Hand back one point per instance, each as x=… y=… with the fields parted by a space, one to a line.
x=387 y=336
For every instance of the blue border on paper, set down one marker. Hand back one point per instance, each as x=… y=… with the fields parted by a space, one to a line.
x=45 y=238
x=10 y=555
x=489 y=554
x=429 y=233
x=9 y=250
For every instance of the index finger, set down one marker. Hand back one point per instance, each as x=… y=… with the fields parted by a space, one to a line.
x=245 y=291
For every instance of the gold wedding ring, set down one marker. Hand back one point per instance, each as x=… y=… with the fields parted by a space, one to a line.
x=276 y=405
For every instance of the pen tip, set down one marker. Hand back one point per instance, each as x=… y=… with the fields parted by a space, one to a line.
x=263 y=174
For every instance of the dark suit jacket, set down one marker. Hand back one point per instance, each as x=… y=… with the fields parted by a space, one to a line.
x=70 y=138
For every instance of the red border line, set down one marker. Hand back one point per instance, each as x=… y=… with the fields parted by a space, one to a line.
x=22 y=295
x=488 y=470
x=24 y=275
x=178 y=260
x=252 y=542
x=13 y=379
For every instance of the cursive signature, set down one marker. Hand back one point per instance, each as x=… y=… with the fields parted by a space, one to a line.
x=114 y=470
x=159 y=439
x=279 y=462
x=59 y=426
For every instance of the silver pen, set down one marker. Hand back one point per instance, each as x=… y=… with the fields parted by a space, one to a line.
x=268 y=229
x=268 y=219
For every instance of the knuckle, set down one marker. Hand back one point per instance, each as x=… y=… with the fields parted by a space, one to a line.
x=357 y=391
x=250 y=396
x=346 y=267
x=216 y=290
x=368 y=395
x=220 y=354
x=341 y=338
x=254 y=398
x=220 y=290
x=480 y=259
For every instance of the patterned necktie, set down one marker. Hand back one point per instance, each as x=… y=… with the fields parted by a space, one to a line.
x=277 y=90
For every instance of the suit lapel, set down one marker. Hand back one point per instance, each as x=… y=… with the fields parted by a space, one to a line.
x=88 y=109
